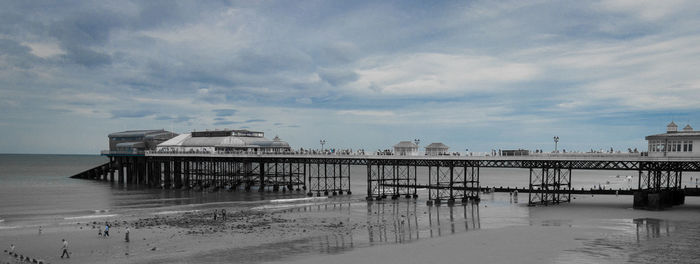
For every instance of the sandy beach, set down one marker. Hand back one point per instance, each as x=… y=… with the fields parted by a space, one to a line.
x=346 y=230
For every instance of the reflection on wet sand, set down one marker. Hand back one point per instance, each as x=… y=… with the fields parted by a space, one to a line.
x=648 y=228
x=401 y=222
x=357 y=224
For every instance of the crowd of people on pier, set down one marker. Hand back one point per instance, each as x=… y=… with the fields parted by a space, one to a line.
x=380 y=152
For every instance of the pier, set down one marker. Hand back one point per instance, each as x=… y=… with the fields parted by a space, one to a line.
x=450 y=179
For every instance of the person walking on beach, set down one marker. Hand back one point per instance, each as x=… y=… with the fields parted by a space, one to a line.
x=106 y=234
x=214 y=214
x=65 y=249
x=223 y=214
x=126 y=235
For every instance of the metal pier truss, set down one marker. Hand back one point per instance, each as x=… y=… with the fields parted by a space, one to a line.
x=328 y=178
x=450 y=182
x=549 y=186
x=450 y=178
x=391 y=180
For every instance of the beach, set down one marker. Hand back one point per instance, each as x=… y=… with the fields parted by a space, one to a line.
x=602 y=229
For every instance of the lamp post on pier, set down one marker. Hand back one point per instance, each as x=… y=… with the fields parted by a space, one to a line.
x=323 y=141
x=556 y=140
x=417 y=141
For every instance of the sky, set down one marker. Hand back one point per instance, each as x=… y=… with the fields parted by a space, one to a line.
x=475 y=75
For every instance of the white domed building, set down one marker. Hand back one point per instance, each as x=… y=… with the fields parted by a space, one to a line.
x=674 y=143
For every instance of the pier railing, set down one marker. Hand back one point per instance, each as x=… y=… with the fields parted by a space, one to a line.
x=616 y=157
x=122 y=152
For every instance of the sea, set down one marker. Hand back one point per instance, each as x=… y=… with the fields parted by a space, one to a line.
x=36 y=190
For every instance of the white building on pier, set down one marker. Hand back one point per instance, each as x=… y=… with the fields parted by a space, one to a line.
x=674 y=143
x=406 y=148
x=436 y=148
x=224 y=141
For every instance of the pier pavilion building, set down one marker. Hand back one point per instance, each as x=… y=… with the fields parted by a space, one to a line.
x=137 y=141
x=436 y=148
x=406 y=148
x=674 y=143
x=233 y=141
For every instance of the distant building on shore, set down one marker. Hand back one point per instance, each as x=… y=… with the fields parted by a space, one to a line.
x=436 y=148
x=406 y=148
x=136 y=141
x=224 y=140
x=674 y=143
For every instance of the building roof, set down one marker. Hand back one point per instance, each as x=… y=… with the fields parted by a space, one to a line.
x=688 y=128
x=679 y=134
x=137 y=133
x=406 y=144
x=436 y=145
x=672 y=124
x=187 y=140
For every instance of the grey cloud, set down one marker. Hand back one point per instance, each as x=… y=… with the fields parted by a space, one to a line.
x=220 y=123
x=86 y=28
x=254 y=120
x=225 y=112
x=17 y=54
x=11 y=47
x=131 y=113
x=87 y=57
x=337 y=77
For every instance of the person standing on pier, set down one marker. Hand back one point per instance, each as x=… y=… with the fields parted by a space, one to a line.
x=65 y=249
x=126 y=235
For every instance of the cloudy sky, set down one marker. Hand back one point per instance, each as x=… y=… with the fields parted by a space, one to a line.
x=473 y=74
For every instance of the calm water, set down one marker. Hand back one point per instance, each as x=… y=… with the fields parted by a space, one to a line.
x=37 y=190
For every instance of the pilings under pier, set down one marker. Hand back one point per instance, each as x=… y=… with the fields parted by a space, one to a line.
x=391 y=180
x=659 y=187
x=449 y=179
x=226 y=174
x=328 y=178
x=550 y=184
x=320 y=178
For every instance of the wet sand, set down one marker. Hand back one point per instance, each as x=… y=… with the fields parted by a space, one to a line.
x=589 y=230
x=352 y=231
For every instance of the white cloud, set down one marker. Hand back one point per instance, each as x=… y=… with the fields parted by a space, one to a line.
x=45 y=50
x=436 y=73
x=369 y=113
x=646 y=9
